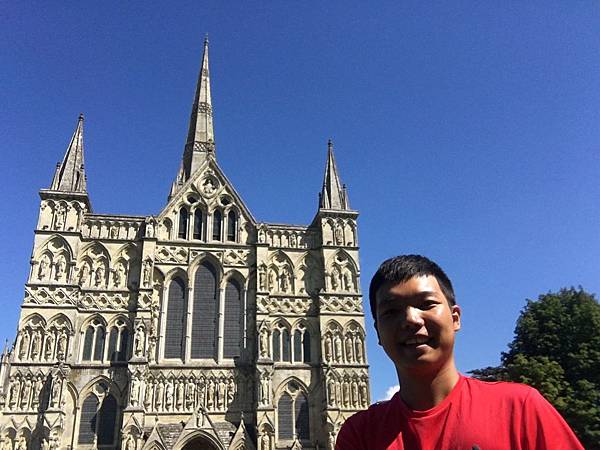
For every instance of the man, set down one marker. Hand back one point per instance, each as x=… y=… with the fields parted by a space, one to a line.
x=416 y=318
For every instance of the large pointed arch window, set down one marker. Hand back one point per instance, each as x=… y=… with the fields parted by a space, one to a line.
x=293 y=414
x=98 y=422
x=232 y=319
x=183 y=223
x=176 y=312
x=205 y=307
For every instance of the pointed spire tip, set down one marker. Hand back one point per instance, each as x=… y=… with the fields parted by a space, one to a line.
x=81 y=117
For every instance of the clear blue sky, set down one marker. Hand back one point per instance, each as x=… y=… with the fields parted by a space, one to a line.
x=465 y=131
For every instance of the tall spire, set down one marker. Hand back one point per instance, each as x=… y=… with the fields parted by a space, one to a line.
x=333 y=194
x=201 y=137
x=70 y=174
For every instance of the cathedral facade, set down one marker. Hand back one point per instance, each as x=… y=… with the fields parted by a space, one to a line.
x=197 y=328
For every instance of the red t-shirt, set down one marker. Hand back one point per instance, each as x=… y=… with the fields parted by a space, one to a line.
x=476 y=415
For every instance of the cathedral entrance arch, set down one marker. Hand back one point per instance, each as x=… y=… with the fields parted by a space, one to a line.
x=200 y=443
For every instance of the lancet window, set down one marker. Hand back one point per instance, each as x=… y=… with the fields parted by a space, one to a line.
x=217 y=225
x=291 y=346
x=175 y=326
x=204 y=312
x=183 y=223
x=232 y=319
x=231 y=226
x=281 y=344
x=198 y=225
x=301 y=345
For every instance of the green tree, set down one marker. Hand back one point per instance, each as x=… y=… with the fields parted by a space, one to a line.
x=556 y=349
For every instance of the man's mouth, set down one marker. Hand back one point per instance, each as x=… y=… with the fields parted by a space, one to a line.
x=417 y=340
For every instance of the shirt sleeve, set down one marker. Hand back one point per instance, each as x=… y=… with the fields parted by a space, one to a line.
x=545 y=429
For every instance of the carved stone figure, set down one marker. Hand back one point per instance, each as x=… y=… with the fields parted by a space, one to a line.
x=180 y=394
x=59 y=217
x=271 y=280
x=335 y=279
x=61 y=268
x=348 y=280
x=160 y=389
x=99 y=277
x=44 y=268
x=55 y=394
x=6 y=443
x=21 y=443
x=337 y=346
x=25 y=394
x=328 y=348
x=84 y=274
x=44 y=445
x=37 y=390
x=261 y=236
x=169 y=396
x=349 y=352
x=149 y=229
x=339 y=235
x=331 y=392
x=148 y=394
x=136 y=386
x=49 y=347
x=285 y=280
x=362 y=394
x=147 y=272
x=264 y=390
x=62 y=346
x=24 y=345
x=138 y=346
x=262 y=285
x=358 y=347
x=13 y=393
x=120 y=275
x=264 y=343
x=35 y=346
x=230 y=392
x=130 y=443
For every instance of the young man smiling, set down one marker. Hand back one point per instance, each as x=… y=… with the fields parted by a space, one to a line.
x=416 y=318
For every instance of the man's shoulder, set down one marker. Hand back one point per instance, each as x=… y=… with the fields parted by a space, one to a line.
x=373 y=413
x=501 y=390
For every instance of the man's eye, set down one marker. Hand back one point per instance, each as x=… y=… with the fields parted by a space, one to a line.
x=428 y=304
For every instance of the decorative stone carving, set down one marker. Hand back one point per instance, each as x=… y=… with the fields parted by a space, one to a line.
x=50 y=295
x=278 y=305
x=175 y=255
x=336 y=304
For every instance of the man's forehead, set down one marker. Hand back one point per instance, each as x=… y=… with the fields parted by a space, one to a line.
x=419 y=285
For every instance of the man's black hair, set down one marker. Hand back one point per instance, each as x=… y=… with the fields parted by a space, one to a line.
x=404 y=267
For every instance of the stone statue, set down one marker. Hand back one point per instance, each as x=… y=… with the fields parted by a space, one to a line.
x=328 y=348
x=135 y=391
x=335 y=279
x=169 y=395
x=149 y=229
x=331 y=441
x=262 y=285
x=362 y=394
x=24 y=347
x=61 y=267
x=271 y=280
x=264 y=390
x=358 y=347
x=130 y=443
x=139 y=342
x=180 y=394
x=44 y=444
x=55 y=395
x=99 y=278
x=21 y=443
x=159 y=395
x=349 y=348
x=285 y=280
x=62 y=346
x=147 y=272
x=331 y=392
x=25 y=394
x=148 y=395
x=261 y=236
x=264 y=343
x=265 y=441
x=339 y=235
x=35 y=346
x=43 y=269
x=84 y=274
x=59 y=217
x=230 y=392
x=337 y=347
x=13 y=393
x=348 y=282
x=189 y=395
x=49 y=346
x=6 y=443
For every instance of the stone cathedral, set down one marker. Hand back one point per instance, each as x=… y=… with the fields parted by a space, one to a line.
x=197 y=328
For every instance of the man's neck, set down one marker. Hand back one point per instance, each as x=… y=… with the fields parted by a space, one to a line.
x=421 y=391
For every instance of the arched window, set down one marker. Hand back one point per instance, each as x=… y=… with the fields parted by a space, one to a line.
x=293 y=414
x=183 y=223
x=93 y=342
x=204 y=322
x=107 y=419
x=198 y=225
x=276 y=345
x=286 y=354
x=282 y=344
x=232 y=324
x=301 y=345
x=231 y=226
x=285 y=417
x=101 y=422
x=118 y=341
x=176 y=312
x=217 y=223
x=87 y=420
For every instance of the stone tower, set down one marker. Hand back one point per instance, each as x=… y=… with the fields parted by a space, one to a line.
x=197 y=328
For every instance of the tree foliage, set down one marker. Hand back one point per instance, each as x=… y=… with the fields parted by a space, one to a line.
x=556 y=349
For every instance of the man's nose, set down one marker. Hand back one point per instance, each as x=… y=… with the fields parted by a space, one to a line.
x=413 y=318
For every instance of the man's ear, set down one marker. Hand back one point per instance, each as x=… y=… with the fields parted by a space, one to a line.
x=377 y=331
x=455 y=311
